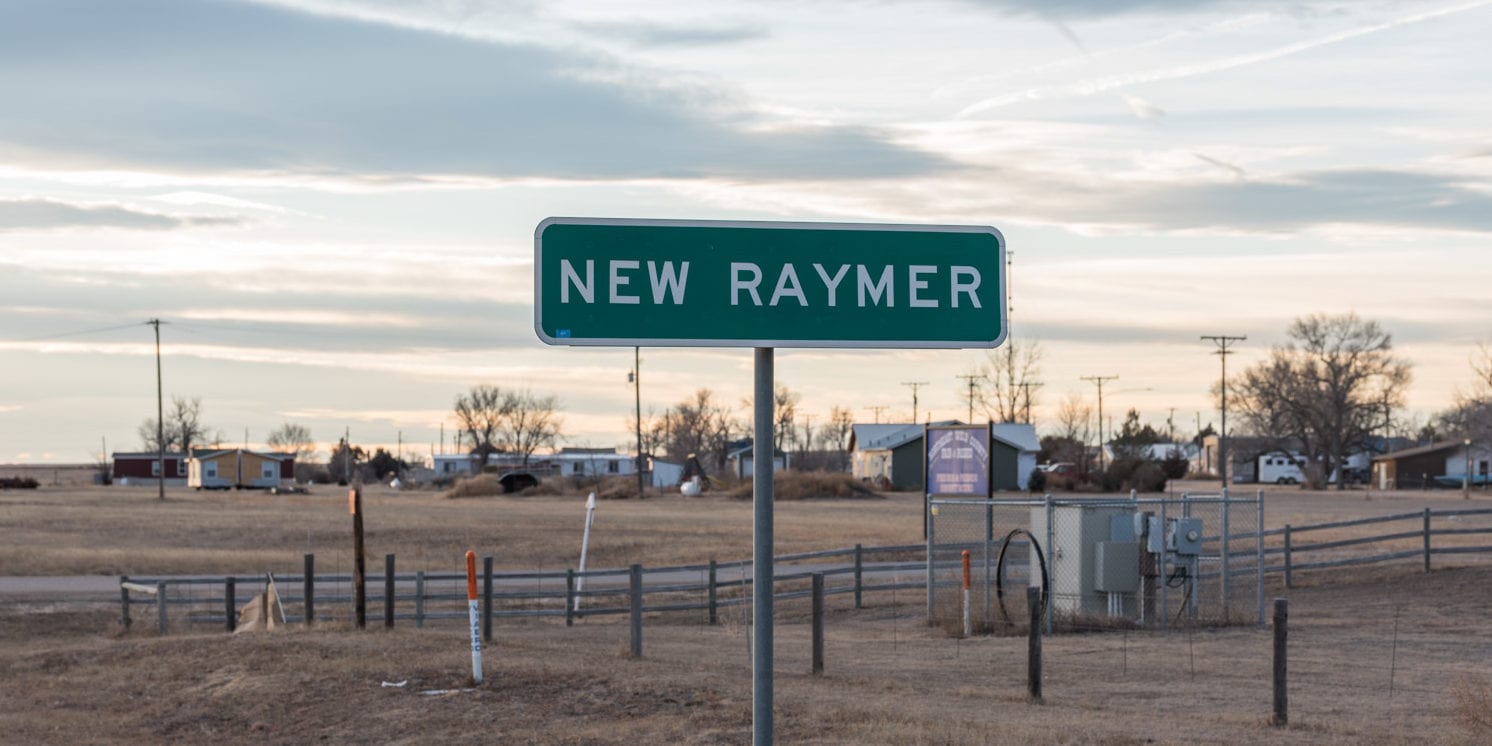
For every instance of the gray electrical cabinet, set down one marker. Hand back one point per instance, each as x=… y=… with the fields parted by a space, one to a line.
x=1073 y=557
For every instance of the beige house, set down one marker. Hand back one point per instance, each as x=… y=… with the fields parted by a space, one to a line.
x=238 y=468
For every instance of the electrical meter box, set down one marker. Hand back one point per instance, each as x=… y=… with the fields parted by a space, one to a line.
x=1185 y=536
x=1072 y=559
x=1116 y=567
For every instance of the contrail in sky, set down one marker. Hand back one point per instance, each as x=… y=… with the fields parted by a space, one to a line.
x=1101 y=85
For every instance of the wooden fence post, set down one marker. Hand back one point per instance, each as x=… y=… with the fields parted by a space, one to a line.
x=818 y=623
x=388 y=591
x=859 y=573
x=487 y=598
x=1427 y=539
x=230 y=604
x=308 y=584
x=124 y=602
x=1281 y=689
x=1289 y=580
x=359 y=562
x=714 y=605
x=419 y=599
x=635 y=583
x=1033 y=644
x=569 y=597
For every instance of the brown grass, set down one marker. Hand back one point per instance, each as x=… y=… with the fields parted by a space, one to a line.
x=1473 y=697
x=809 y=485
x=124 y=530
x=73 y=676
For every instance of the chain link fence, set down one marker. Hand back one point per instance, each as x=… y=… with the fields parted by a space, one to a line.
x=1103 y=563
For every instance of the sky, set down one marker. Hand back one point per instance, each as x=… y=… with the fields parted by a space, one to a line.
x=330 y=204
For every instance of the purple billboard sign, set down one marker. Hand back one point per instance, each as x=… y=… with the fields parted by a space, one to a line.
x=958 y=461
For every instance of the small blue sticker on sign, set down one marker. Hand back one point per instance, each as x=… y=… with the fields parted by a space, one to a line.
x=562 y=333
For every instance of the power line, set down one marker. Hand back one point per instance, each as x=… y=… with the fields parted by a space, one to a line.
x=1025 y=387
x=99 y=330
x=1223 y=352
x=1100 y=380
x=160 y=415
x=972 y=378
x=915 y=385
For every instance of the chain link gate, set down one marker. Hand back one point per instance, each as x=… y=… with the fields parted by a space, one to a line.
x=1105 y=562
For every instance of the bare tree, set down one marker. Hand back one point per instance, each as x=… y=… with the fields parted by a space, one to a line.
x=1471 y=415
x=837 y=431
x=292 y=439
x=1073 y=418
x=183 y=428
x=653 y=430
x=784 y=417
x=531 y=422
x=697 y=426
x=1010 y=372
x=481 y=412
x=1329 y=388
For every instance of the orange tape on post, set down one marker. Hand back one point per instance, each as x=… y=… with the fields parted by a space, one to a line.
x=472 y=575
x=966 y=569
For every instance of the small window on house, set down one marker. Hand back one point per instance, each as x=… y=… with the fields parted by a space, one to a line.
x=181 y=468
x=210 y=470
x=612 y=466
x=155 y=468
x=575 y=468
x=271 y=470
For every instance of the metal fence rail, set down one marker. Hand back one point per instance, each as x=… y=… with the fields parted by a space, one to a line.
x=1226 y=580
x=424 y=596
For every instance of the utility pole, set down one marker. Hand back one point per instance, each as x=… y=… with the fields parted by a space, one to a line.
x=1026 y=393
x=878 y=411
x=160 y=416
x=1099 y=380
x=399 y=453
x=915 y=385
x=1222 y=352
x=637 y=392
x=972 y=378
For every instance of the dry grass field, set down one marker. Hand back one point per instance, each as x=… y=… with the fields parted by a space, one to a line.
x=1378 y=655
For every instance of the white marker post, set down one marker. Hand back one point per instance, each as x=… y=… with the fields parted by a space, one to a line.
x=585 y=542
x=476 y=621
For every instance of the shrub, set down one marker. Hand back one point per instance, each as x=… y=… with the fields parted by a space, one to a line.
x=1141 y=475
x=17 y=483
x=802 y=485
x=1037 y=481
x=481 y=485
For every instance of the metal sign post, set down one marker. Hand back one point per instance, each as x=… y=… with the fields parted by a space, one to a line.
x=764 y=285
x=762 y=448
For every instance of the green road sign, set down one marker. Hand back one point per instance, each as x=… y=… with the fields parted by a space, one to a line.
x=700 y=283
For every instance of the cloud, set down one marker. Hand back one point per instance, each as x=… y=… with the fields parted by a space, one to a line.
x=649 y=34
x=1294 y=202
x=1093 y=8
x=1114 y=82
x=221 y=87
x=46 y=214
